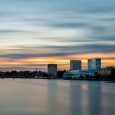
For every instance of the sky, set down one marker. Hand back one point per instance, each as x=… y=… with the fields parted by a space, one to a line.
x=55 y=31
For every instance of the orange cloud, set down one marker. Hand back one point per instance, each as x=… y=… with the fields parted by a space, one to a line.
x=63 y=62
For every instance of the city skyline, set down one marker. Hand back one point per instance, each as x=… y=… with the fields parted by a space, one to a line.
x=47 y=31
x=92 y=64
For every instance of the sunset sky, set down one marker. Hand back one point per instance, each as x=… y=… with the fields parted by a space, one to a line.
x=55 y=31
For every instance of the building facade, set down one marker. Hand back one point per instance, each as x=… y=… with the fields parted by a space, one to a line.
x=94 y=64
x=75 y=65
x=105 y=71
x=77 y=74
x=52 y=70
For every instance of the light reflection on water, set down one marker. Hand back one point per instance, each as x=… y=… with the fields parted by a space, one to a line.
x=56 y=97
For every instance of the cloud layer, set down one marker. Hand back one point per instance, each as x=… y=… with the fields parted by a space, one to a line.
x=56 y=28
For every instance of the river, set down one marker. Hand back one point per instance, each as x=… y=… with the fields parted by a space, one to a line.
x=56 y=97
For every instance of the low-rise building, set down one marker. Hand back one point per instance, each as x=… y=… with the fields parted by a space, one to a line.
x=78 y=74
x=105 y=71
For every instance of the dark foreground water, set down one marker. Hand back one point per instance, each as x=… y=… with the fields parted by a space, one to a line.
x=51 y=97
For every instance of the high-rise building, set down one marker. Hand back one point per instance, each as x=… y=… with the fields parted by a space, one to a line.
x=94 y=63
x=52 y=70
x=75 y=65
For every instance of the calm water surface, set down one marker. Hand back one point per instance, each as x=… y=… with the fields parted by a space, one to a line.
x=56 y=97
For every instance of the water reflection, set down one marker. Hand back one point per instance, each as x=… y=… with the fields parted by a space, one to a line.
x=85 y=98
x=94 y=98
x=75 y=98
x=56 y=97
x=52 y=98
